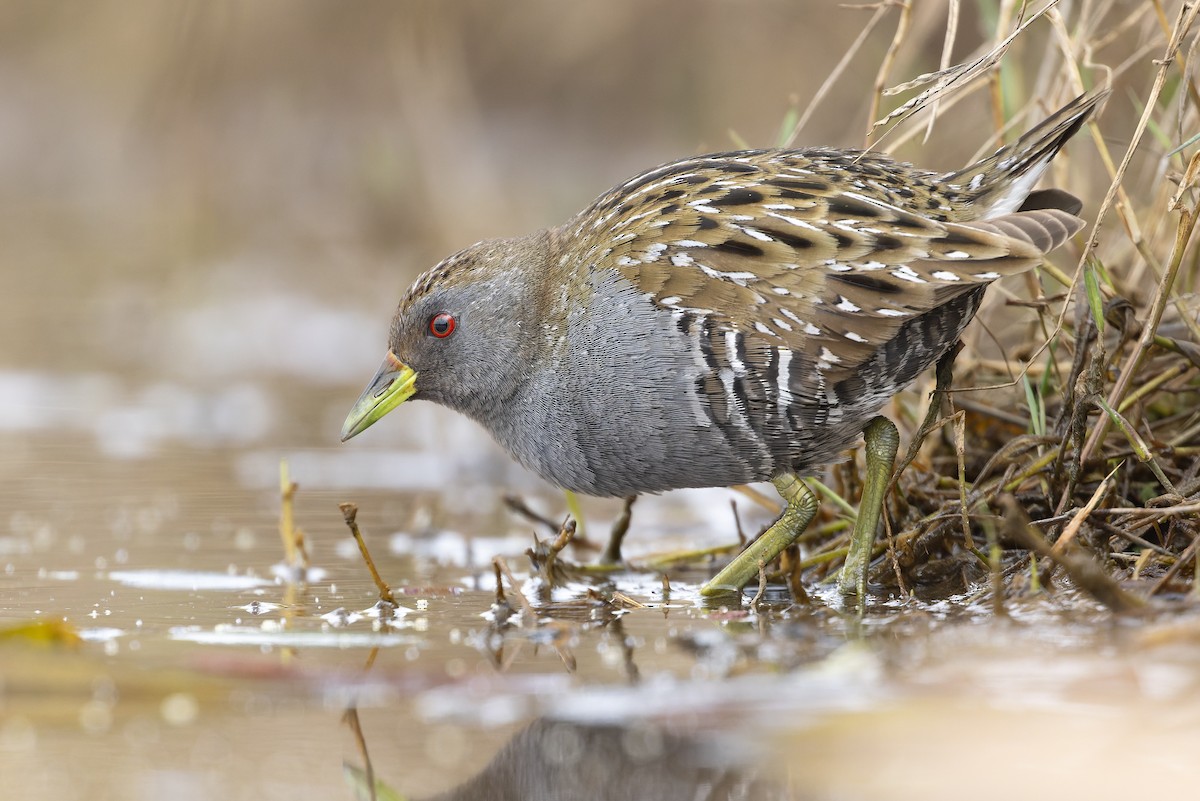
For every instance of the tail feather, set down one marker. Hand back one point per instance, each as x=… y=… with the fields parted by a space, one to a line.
x=1052 y=199
x=1000 y=183
x=1045 y=229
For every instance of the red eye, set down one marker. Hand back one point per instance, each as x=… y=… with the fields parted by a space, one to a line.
x=441 y=325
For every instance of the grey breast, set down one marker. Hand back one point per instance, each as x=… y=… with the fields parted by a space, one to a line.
x=615 y=411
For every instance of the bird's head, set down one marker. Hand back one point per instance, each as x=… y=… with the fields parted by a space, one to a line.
x=465 y=334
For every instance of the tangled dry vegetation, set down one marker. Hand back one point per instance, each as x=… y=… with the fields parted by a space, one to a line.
x=1079 y=458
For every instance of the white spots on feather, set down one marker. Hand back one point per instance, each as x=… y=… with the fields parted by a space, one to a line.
x=757 y=234
x=634 y=180
x=695 y=328
x=798 y=170
x=654 y=186
x=845 y=305
x=690 y=243
x=791 y=315
x=976 y=181
x=654 y=250
x=783 y=381
x=906 y=273
x=779 y=207
x=728 y=375
x=880 y=204
x=779 y=290
x=853 y=337
x=702 y=205
x=811 y=330
x=733 y=343
x=872 y=265
x=892 y=312
x=762 y=329
x=781 y=324
x=740 y=278
x=860 y=197
x=682 y=259
x=945 y=275
x=956 y=254
x=671 y=300
x=827 y=358
x=790 y=220
x=987 y=276
x=626 y=261
x=741 y=217
x=837 y=266
x=678 y=310
x=659 y=182
x=621 y=239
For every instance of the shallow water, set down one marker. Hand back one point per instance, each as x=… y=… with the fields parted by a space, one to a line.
x=203 y=674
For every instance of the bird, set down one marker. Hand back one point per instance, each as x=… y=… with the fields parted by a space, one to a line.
x=726 y=319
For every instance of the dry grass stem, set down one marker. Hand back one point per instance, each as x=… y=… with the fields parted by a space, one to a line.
x=350 y=514
x=903 y=24
x=835 y=73
x=287 y=524
x=528 y=613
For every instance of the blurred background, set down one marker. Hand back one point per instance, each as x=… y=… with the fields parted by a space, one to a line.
x=208 y=211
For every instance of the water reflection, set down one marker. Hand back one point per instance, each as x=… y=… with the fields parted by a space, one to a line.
x=554 y=759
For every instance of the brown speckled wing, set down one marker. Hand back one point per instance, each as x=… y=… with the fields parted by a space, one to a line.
x=825 y=253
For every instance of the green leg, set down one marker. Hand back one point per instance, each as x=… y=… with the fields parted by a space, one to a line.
x=801 y=509
x=882 y=441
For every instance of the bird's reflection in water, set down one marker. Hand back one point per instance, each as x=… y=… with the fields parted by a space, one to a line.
x=553 y=760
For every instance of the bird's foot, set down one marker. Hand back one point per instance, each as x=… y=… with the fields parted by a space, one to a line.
x=801 y=509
